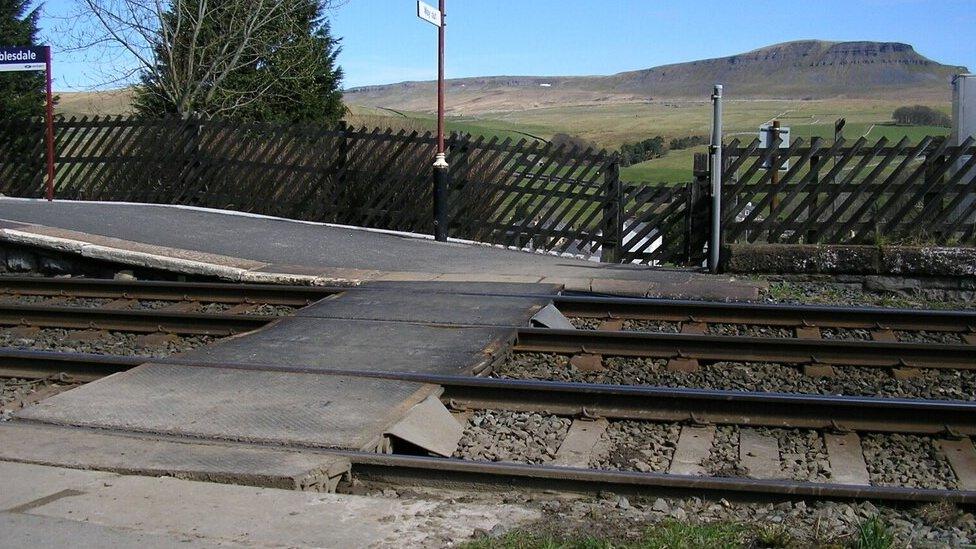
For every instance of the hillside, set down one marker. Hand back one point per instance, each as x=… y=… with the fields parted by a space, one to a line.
x=809 y=69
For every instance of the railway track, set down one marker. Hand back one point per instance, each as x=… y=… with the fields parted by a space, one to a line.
x=839 y=421
x=806 y=322
x=847 y=426
x=212 y=309
x=716 y=348
x=214 y=292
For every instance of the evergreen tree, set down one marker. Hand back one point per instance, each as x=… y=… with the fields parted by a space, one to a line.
x=21 y=93
x=289 y=75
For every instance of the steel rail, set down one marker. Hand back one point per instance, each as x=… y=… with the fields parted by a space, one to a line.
x=427 y=471
x=216 y=292
x=143 y=321
x=612 y=401
x=82 y=367
x=767 y=314
x=748 y=349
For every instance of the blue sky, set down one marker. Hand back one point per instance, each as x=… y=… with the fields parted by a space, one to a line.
x=384 y=42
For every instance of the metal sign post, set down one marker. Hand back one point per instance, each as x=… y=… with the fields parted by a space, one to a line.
x=437 y=18
x=35 y=59
x=715 y=148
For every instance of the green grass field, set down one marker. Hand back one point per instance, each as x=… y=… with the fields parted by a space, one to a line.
x=612 y=125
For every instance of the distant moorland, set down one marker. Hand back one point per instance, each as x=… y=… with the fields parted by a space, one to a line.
x=807 y=85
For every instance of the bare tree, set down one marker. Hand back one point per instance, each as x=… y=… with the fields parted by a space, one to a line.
x=190 y=53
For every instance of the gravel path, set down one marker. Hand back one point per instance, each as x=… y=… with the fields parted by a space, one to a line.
x=638 y=446
x=747 y=376
x=907 y=460
x=512 y=436
x=110 y=343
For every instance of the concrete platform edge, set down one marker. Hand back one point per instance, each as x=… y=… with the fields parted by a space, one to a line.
x=163 y=262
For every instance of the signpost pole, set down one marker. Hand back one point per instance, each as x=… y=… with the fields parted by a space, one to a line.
x=49 y=115
x=715 y=239
x=440 y=163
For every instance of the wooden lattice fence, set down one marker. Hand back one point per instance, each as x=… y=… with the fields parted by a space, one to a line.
x=524 y=194
x=533 y=195
x=850 y=192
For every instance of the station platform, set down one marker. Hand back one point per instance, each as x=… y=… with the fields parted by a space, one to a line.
x=253 y=248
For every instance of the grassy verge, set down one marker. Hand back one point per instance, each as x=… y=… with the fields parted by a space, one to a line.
x=671 y=534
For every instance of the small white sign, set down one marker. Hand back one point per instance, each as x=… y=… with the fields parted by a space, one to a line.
x=24 y=67
x=31 y=58
x=429 y=13
x=766 y=137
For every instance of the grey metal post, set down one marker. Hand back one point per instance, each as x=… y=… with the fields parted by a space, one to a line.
x=716 y=173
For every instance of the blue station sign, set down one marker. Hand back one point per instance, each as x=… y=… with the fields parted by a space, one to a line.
x=23 y=58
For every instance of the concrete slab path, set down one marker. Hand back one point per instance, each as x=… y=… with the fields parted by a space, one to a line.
x=52 y=507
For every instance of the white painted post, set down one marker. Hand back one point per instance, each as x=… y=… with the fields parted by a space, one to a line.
x=716 y=174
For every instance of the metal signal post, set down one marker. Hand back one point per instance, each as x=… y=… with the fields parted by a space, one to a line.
x=440 y=84
x=440 y=162
x=437 y=18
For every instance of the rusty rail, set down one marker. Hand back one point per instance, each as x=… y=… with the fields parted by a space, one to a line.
x=216 y=292
x=747 y=349
x=766 y=314
x=611 y=401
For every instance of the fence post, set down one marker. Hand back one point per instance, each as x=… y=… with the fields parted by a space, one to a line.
x=613 y=222
x=716 y=175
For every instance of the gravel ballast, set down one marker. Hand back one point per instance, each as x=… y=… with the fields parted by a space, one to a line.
x=749 y=330
x=637 y=446
x=522 y=437
x=802 y=453
x=16 y=393
x=784 y=332
x=54 y=301
x=261 y=309
x=723 y=461
x=107 y=343
x=664 y=326
x=747 y=376
x=907 y=460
